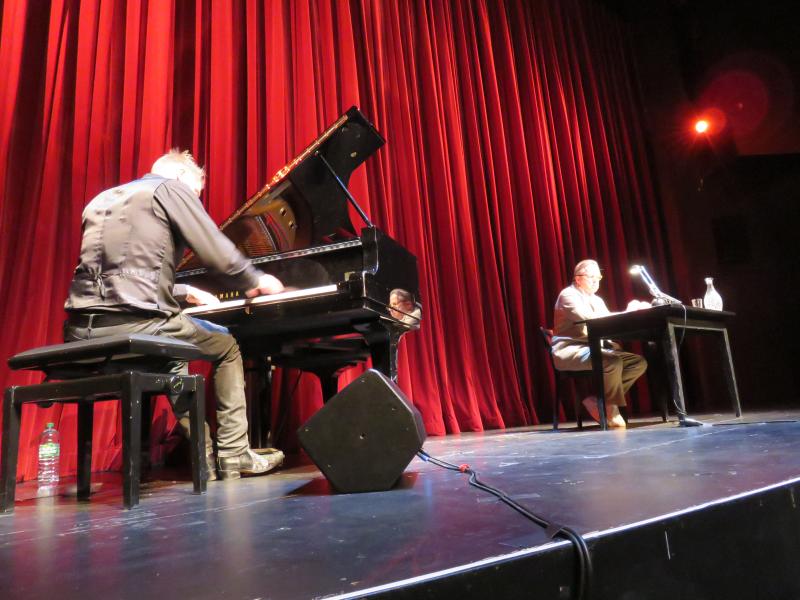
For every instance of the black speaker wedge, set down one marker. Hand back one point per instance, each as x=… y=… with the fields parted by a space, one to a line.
x=364 y=437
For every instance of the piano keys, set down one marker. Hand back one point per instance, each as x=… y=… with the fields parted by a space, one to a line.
x=247 y=304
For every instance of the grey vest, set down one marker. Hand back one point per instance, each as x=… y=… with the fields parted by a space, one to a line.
x=128 y=253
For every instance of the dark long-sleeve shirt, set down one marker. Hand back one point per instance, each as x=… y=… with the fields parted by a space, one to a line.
x=134 y=235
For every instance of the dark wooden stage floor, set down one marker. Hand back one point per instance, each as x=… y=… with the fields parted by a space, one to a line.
x=667 y=512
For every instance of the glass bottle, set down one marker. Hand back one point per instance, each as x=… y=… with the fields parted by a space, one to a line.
x=712 y=299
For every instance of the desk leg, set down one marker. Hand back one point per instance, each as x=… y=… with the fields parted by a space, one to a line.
x=673 y=368
x=656 y=381
x=596 y=353
x=730 y=376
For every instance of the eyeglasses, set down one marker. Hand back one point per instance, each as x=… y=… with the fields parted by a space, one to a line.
x=593 y=277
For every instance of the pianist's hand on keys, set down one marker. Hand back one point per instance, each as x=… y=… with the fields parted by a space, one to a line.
x=267 y=284
x=199 y=297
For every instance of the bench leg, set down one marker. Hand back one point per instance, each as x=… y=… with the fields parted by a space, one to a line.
x=10 y=448
x=85 y=425
x=197 y=411
x=131 y=398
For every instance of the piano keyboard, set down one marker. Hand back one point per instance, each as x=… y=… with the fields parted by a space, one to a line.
x=207 y=309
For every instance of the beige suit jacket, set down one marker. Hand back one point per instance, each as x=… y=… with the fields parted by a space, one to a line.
x=572 y=306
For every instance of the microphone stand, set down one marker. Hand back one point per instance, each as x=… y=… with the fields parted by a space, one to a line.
x=659 y=297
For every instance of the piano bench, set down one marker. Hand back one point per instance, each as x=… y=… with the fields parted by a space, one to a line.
x=131 y=368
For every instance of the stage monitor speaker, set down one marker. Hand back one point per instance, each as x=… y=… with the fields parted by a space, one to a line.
x=364 y=437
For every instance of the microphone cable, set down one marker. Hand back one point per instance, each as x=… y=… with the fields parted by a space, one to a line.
x=551 y=529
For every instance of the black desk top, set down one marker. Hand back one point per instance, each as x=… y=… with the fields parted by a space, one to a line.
x=656 y=318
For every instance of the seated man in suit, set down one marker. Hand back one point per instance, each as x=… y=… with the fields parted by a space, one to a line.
x=579 y=302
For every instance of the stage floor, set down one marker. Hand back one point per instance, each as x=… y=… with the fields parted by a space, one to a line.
x=287 y=536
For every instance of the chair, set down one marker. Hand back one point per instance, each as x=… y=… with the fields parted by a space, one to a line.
x=563 y=376
x=130 y=367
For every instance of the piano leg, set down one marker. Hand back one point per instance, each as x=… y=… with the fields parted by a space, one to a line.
x=329 y=381
x=258 y=374
x=383 y=339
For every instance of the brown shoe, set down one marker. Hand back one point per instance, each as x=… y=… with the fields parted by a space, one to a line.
x=248 y=463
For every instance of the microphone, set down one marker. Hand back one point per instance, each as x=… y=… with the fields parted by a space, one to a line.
x=659 y=297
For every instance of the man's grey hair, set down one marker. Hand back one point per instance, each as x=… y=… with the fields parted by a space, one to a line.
x=580 y=268
x=402 y=295
x=175 y=162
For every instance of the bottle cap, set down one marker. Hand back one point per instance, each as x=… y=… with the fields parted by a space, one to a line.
x=50 y=425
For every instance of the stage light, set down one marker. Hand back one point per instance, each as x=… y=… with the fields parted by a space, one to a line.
x=701 y=126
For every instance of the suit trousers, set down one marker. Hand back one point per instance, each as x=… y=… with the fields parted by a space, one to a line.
x=219 y=348
x=620 y=369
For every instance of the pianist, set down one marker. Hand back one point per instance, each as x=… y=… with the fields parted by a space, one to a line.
x=580 y=302
x=133 y=236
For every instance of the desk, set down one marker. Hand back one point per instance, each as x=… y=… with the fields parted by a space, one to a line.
x=659 y=324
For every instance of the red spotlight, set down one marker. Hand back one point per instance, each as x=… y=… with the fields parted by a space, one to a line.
x=701 y=126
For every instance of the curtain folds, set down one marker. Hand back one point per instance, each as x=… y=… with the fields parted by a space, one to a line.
x=515 y=148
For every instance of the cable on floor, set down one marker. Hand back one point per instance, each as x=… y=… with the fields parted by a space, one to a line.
x=584 y=575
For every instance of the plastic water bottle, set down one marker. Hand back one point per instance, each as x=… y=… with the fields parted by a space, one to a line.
x=712 y=299
x=49 y=453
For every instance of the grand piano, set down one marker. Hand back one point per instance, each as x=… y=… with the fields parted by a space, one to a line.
x=350 y=295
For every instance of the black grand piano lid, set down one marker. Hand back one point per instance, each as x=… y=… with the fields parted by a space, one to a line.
x=303 y=205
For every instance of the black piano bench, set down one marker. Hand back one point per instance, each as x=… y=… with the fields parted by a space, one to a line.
x=129 y=367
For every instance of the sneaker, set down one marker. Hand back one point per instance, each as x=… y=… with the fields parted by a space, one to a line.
x=248 y=463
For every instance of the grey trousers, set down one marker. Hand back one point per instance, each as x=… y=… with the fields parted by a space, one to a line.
x=218 y=348
x=620 y=369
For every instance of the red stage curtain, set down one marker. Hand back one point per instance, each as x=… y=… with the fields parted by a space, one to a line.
x=515 y=148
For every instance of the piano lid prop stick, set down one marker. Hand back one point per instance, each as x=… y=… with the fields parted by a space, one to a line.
x=345 y=190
